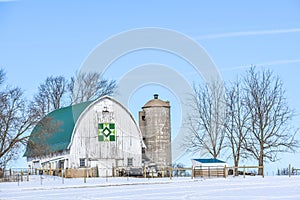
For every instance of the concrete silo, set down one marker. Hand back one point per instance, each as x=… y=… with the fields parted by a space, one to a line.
x=154 y=122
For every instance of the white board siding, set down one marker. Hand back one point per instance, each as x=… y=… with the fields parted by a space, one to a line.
x=49 y=161
x=85 y=142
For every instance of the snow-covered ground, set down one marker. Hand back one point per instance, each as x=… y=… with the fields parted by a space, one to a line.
x=274 y=187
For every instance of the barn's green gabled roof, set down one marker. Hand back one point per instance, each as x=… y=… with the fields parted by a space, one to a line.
x=62 y=122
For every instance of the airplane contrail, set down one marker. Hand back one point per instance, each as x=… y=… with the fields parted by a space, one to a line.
x=247 y=33
x=265 y=64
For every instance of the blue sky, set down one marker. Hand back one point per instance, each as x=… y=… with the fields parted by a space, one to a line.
x=43 y=38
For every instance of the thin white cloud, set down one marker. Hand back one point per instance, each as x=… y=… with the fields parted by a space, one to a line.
x=265 y=64
x=247 y=33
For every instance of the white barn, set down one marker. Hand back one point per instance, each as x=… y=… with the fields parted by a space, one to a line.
x=98 y=134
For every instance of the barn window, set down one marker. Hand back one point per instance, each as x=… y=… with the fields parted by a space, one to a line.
x=82 y=162
x=129 y=162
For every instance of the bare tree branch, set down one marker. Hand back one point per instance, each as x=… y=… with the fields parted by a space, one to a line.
x=207 y=124
x=37 y=145
x=15 y=119
x=237 y=118
x=50 y=96
x=89 y=86
x=271 y=132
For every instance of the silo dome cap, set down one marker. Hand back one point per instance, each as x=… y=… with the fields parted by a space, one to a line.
x=156 y=102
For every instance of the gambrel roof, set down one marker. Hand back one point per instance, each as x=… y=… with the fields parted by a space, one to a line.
x=62 y=121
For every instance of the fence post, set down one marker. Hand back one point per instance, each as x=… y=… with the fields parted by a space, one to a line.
x=62 y=175
x=193 y=171
x=289 y=170
x=244 y=172
x=21 y=175
x=18 y=179
x=201 y=171
x=84 y=176
x=225 y=170
x=106 y=175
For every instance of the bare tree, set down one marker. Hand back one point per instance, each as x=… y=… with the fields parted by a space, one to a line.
x=89 y=86
x=271 y=132
x=50 y=96
x=37 y=145
x=15 y=119
x=238 y=117
x=2 y=76
x=207 y=124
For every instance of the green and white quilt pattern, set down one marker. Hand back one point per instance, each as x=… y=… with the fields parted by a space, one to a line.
x=106 y=132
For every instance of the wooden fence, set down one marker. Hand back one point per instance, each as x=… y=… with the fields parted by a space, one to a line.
x=244 y=173
x=14 y=175
x=209 y=171
x=194 y=171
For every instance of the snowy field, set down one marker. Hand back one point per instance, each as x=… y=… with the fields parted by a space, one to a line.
x=136 y=188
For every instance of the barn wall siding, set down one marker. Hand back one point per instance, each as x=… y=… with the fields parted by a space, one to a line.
x=85 y=142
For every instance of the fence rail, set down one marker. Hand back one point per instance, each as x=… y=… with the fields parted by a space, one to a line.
x=209 y=171
x=23 y=174
x=235 y=169
x=14 y=175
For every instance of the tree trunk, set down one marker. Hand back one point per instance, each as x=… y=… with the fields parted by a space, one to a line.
x=215 y=156
x=236 y=164
x=261 y=163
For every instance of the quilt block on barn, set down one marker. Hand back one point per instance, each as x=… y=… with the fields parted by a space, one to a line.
x=106 y=132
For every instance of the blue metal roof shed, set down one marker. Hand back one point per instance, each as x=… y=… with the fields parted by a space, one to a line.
x=208 y=162
x=210 y=167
